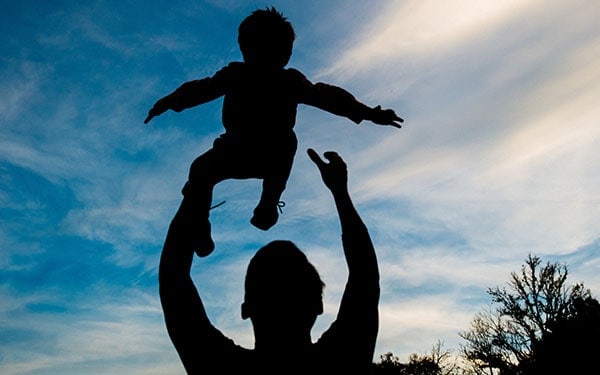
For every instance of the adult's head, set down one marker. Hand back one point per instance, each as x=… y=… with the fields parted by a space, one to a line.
x=266 y=38
x=283 y=290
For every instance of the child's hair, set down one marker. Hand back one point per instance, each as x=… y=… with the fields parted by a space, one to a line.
x=266 y=37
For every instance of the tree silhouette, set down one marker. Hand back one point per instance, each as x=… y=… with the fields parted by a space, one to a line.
x=437 y=362
x=417 y=365
x=575 y=340
x=537 y=316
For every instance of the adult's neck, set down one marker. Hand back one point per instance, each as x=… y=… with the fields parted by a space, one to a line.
x=282 y=342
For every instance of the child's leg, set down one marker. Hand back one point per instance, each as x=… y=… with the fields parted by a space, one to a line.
x=274 y=182
x=265 y=213
x=185 y=217
x=194 y=211
x=197 y=199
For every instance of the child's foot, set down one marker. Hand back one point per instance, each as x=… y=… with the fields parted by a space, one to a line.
x=265 y=216
x=203 y=243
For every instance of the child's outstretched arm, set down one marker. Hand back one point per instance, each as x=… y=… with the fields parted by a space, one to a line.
x=340 y=102
x=384 y=117
x=193 y=93
x=188 y=95
x=160 y=107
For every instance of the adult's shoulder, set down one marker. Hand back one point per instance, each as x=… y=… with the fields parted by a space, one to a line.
x=235 y=65
x=295 y=73
x=232 y=67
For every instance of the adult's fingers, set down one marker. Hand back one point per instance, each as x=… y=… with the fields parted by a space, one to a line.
x=333 y=157
x=312 y=154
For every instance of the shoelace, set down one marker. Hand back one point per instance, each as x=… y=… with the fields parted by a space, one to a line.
x=280 y=205
x=217 y=205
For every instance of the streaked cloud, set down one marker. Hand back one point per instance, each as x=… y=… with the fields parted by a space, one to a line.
x=498 y=158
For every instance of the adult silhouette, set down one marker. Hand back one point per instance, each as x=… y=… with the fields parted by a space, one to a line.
x=283 y=298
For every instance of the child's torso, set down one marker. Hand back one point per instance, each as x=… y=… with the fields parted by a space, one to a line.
x=262 y=101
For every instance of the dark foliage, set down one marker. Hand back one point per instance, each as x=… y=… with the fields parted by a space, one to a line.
x=537 y=325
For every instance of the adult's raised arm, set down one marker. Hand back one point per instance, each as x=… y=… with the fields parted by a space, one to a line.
x=197 y=342
x=357 y=320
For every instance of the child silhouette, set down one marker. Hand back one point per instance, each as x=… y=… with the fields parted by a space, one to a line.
x=259 y=112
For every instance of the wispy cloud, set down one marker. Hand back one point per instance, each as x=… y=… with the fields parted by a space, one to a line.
x=498 y=158
x=519 y=139
x=498 y=153
x=112 y=337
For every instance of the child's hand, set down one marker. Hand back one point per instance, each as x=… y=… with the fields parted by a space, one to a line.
x=385 y=117
x=334 y=173
x=159 y=108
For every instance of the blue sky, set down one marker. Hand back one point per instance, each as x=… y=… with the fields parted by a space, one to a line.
x=498 y=159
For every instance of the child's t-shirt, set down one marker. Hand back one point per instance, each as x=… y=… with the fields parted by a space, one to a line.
x=261 y=102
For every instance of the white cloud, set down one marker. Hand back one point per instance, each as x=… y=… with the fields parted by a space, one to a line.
x=19 y=86
x=502 y=146
x=498 y=158
x=422 y=29
x=414 y=325
x=113 y=335
x=498 y=153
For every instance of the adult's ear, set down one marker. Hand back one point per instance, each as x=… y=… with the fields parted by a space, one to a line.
x=245 y=310
x=319 y=308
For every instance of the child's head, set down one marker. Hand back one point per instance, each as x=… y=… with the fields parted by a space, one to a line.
x=266 y=38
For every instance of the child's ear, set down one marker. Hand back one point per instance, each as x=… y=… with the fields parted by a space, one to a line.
x=245 y=310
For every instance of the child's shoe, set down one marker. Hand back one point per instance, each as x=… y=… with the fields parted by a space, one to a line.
x=203 y=243
x=265 y=216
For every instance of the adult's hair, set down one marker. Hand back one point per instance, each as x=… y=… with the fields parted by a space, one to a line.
x=280 y=274
x=266 y=37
